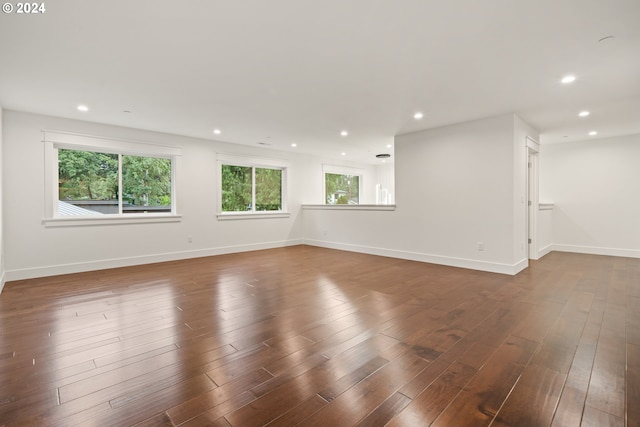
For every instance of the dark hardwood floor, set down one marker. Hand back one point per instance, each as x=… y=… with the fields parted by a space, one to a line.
x=317 y=337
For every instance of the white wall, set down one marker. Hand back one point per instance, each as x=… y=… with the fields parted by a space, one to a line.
x=34 y=250
x=2 y=275
x=385 y=178
x=595 y=187
x=545 y=232
x=455 y=186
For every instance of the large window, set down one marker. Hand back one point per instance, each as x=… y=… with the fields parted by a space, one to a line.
x=92 y=181
x=250 y=188
x=92 y=177
x=341 y=189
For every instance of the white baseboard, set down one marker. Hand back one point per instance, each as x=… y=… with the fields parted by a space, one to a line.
x=2 y=281
x=54 y=270
x=544 y=251
x=492 y=267
x=594 y=250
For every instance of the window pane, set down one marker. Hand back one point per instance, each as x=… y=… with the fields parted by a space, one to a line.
x=146 y=184
x=236 y=188
x=268 y=189
x=87 y=183
x=342 y=189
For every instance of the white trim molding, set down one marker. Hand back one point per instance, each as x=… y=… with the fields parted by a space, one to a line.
x=595 y=250
x=544 y=251
x=79 y=267
x=230 y=216
x=492 y=267
x=350 y=207
x=82 y=221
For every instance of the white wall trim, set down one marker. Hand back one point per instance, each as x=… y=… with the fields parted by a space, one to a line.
x=349 y=207
x=54 y=270
x=80 y=221
x=544 y=251
x=2 y=282
x=594 y=250
x=491 y=267
x=76 y=141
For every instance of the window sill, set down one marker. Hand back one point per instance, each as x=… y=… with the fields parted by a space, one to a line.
x=229 y=216
x=350 y=207
x=109 y=220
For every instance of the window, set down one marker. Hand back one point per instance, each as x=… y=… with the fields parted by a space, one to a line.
x=248 y=188
x=91 y=181
x=89 y=177
x=341 y=189
x=251 y=186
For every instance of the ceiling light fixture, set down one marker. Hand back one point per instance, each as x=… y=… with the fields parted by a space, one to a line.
x=389 y=145
x=418 y=116
x=294 y=145
x=344 y=133
x=217 y=131
x=584 y=113
x=83 y=108
x=343 y=154
x=593 y=133
x=568 y=79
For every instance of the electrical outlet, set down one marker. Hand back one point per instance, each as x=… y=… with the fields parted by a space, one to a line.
x=189 y=238
x=481 y=246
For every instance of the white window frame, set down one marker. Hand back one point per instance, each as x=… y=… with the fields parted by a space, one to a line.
x=341 y=170
x=54 y=140
x=253 y=162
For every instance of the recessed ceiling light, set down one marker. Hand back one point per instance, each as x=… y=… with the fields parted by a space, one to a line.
x=344 y=133
x=593 y=133
x=584 y=113
x=217 y=131
x=568 y=79
x=343 y=154
x=294 y=145
x=83 y=108
x=418 y=116
x=389 y=145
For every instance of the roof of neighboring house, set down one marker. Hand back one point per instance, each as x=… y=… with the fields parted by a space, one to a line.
x=65 y=208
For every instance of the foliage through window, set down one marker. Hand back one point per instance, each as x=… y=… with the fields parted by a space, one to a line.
x=249 y=188
x=342 y=189
x=94 y=183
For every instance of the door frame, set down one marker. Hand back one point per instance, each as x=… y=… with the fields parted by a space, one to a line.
x=533 y=150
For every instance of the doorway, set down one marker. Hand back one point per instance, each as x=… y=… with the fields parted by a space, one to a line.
x=532 y=198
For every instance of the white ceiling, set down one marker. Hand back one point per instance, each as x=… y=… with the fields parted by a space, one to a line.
x=284 y=71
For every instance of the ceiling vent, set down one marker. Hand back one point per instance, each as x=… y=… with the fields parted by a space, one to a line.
x=383 y=156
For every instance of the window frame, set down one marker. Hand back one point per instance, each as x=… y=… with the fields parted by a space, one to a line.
x=341 y=170
x=54 y=140
x=252 y=162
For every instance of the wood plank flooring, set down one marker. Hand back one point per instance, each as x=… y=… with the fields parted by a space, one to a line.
x=317 y=337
